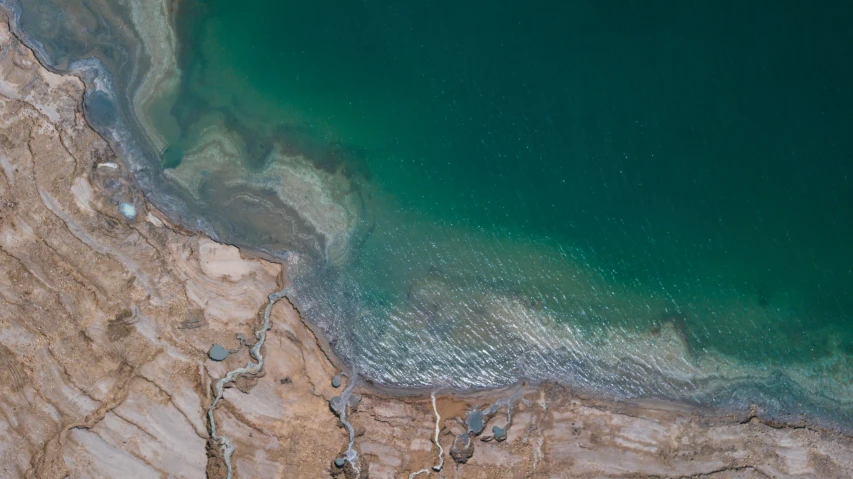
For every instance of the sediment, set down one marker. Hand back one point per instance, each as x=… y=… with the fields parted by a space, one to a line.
x=105 y=322
x=126 y=53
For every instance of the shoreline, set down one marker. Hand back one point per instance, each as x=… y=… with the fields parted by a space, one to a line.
x=390 y=390
x=713 y=371
x=162 y=275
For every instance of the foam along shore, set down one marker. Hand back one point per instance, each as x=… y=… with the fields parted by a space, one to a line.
x=106 y=320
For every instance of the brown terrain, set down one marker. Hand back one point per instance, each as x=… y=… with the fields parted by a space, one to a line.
x=105 y=324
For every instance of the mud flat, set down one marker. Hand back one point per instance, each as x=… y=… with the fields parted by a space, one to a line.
x=106 y=318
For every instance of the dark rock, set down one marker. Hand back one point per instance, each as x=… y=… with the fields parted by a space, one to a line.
x=195 y=319
x=343 y=467
x=336 y=381
x=217 y=353
x=463 y=448
x=216 y=467
x=363 y=469
x=245 y=383
x=336 y=404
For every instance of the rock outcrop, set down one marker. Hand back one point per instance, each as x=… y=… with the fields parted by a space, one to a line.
x=107 y=318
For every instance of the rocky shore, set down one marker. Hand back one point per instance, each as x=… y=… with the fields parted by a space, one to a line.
x=108 y=312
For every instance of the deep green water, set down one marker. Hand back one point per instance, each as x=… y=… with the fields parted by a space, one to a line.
x=592 y=170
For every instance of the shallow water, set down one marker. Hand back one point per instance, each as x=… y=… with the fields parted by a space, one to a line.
x=635 y=200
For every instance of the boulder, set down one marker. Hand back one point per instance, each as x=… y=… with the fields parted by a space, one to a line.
x=463 y=448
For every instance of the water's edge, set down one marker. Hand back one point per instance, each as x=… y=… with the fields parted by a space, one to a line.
x=121 y=138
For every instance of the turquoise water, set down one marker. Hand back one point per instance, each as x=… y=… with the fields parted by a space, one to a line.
x=644 y=198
